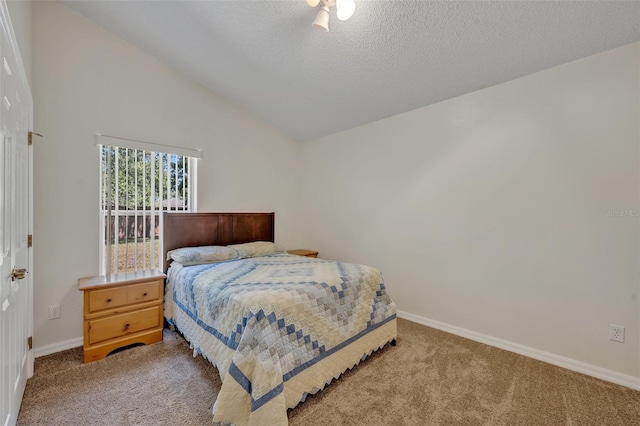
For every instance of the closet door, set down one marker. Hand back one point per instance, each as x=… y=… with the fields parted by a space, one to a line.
x=16 y=295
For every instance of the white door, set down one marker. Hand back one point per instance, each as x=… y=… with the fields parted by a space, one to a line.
x=16 y=297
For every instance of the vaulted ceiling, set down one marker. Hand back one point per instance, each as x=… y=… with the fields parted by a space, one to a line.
x=390 y=57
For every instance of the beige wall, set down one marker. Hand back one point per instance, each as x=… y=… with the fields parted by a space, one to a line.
x=490 y=211
x=86 y=80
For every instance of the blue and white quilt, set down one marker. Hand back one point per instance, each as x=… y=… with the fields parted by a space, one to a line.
x=278 y=327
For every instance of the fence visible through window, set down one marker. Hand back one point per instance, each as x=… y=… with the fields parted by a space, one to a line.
x=137 y=186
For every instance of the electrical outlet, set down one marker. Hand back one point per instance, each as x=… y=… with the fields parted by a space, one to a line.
x=616 y=333
x=54 y=312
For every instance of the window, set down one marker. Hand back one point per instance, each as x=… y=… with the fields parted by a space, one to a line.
x=136 y=186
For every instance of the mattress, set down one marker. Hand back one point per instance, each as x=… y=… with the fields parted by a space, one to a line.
x=278 y=327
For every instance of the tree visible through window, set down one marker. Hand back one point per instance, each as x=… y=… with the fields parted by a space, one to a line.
x=136 y=187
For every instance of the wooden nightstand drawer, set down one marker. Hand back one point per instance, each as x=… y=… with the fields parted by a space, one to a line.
x=121 y=325
x=144 y=292
x=121 y=310
x=108 y=298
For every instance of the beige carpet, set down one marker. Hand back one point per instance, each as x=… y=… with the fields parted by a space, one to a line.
x=430 y=378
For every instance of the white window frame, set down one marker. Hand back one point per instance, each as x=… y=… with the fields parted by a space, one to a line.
x=192 y=154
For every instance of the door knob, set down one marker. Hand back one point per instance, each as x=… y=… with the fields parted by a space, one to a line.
x=18 y=274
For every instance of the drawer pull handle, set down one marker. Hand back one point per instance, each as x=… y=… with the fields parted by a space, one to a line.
x=126 y=326
x=108 y=300
x=144 y=295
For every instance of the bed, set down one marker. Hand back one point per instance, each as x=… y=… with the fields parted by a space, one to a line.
x=278 y=327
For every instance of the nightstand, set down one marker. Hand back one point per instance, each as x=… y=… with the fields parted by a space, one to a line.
x=120 y=310
x=302 y=252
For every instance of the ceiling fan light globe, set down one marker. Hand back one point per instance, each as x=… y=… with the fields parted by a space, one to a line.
x=345 y=9
x=313 y=3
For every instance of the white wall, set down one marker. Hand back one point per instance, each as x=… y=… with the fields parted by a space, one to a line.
x=486 y=211
x=489 y=211
x=86 y=80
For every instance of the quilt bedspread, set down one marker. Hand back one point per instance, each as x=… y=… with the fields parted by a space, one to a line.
x=278 y=327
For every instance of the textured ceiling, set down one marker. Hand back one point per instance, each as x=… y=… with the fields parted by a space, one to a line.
x=390 y=57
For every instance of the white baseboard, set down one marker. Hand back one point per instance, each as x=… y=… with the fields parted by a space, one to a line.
x=551 y=358
x=58 y=347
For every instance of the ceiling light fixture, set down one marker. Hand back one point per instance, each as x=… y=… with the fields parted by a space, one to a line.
x=344 y=11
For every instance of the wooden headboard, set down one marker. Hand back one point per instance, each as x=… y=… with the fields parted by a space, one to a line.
x=214 y=229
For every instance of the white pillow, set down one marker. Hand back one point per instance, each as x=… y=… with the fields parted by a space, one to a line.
x=257 y=248
x=204 y=254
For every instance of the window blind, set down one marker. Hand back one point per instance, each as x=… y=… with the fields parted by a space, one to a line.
x=136 y=186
